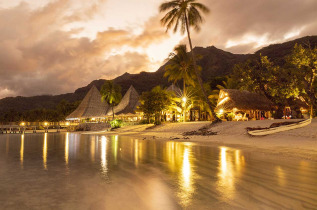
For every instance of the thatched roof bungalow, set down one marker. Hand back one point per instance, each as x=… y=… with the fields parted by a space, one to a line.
x=90 y=107
x=128 y=105
x=252 y=104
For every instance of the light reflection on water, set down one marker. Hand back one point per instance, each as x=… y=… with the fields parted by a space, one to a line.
x=179 y=174
x=66 y=148
x=22 y=149
x=45 y=151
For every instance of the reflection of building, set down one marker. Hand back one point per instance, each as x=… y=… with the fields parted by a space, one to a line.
x=243 y=105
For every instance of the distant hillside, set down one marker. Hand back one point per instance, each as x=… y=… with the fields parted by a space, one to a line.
x=214 y=62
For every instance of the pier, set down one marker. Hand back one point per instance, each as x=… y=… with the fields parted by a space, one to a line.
x=13 y=129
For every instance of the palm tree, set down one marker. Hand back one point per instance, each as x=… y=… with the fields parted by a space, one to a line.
x=181 y=68
x=184 y=14
x=111 y=93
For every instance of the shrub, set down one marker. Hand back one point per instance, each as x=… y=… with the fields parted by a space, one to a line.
x=116 y=123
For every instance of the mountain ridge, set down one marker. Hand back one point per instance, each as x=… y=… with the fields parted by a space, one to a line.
x=215 y=62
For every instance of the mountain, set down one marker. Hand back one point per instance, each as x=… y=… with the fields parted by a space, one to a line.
x=214 y=62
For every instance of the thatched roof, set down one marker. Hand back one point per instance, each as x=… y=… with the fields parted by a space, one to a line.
x=242 y=100
x=128 y=104
x=175 y=89
x=90 y=107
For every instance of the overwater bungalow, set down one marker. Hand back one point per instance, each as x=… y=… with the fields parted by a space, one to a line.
x=243 y=105
x=91 y=109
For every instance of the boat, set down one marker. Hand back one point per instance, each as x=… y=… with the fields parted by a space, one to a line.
x=278 y=127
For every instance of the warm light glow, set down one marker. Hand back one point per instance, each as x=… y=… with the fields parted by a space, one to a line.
x=115 y=148
x=186 y=180
x=280 y=176
x=45 y=151
x=222 y=101
x=221 y=111
x=66 y=148
x=184 y=99
x=22 y=149
x=136 y=152
x=45 y=123
x=93 y=119
x=226 y=173
x=22 y=124
x=92 y=148
x=67 y=123
x=104 y=155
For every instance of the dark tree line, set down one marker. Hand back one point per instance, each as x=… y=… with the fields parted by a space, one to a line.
x=285 y=84
x=61 y=111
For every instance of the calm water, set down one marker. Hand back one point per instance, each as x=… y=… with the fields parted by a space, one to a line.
x=72 y=171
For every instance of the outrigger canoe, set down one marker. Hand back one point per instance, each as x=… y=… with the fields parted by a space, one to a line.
x=277 y=127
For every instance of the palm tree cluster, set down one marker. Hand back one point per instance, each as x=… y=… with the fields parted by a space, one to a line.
x=111 y=93
x=182 y=15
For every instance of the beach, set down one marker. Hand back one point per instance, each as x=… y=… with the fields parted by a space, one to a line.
x=298 y=143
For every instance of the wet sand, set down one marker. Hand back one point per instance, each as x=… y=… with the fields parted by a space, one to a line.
x=298 y=143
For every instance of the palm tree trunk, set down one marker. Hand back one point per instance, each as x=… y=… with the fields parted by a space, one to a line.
x=112 y=113
x=184 y=93
x=216 y=119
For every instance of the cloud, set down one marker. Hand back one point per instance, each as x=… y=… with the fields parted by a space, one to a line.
x=38 y=57
x=255 y=23
x=65 y=44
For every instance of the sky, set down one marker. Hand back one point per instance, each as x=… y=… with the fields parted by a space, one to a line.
x=57 y=46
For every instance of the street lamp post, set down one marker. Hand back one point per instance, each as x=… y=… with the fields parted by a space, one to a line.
x=184 y=99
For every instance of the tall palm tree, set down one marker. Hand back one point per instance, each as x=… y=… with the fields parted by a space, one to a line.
x=111 y=93
x=181 y=68
x=184 y=14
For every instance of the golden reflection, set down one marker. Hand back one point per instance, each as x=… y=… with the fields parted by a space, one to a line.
x=22 y=149
x=171 y=155
x=92 y=148
x=45 y=151
x=230 y=166
x=67 y=148
x=187 y=175
x=115 y=148
x=280 y=176
x=136 y=152
x=104 y=154
x=186 y=171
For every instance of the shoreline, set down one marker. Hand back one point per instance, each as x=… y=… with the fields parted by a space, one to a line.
x=298 y=143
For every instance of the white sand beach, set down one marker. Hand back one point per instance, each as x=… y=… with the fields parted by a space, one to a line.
x=299 y=143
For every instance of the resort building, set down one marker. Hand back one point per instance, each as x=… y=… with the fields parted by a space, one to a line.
x=126 y=110
x=91 y=109
x=175 y=113
x=243 y=105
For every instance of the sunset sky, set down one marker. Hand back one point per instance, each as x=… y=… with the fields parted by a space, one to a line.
x=57 y=46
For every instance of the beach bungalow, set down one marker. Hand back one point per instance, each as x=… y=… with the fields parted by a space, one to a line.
x=243 y=105
x=91 y=109
x=126 y=110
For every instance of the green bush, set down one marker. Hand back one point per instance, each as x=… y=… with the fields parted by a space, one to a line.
x=116 y=123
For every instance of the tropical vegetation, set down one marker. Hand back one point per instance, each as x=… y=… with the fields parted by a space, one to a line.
x=155 y=102
x=183 y=15
x=111 y=93
x=283 y=84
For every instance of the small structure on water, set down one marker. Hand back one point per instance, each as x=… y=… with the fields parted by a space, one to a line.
x=243 y=105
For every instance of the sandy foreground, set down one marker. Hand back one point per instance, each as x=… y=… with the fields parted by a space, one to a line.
x=298 y=143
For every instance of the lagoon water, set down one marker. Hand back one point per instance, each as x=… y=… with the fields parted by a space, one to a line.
x=73 y=171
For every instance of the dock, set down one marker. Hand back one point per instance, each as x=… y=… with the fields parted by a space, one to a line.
x=13 y=129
